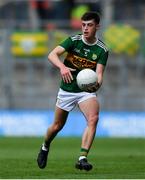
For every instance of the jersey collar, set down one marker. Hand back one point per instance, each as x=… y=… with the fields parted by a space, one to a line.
x=89 y=44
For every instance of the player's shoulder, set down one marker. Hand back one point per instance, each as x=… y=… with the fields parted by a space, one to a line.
x=76 y=37
x=102 y=45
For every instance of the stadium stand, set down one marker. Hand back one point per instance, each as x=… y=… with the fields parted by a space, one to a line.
x=32 y=83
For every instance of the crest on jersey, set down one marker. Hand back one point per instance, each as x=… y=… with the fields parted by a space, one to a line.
x=94 y=56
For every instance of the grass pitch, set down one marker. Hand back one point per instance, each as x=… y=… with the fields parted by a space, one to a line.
x=115 y=158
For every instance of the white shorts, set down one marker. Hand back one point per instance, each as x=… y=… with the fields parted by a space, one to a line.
x=68 y=100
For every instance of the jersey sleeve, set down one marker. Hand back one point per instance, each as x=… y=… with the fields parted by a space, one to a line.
x=66 y=44
x=103 y=58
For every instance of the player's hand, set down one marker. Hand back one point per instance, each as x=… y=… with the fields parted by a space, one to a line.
x=66 y=74
x=93 y=88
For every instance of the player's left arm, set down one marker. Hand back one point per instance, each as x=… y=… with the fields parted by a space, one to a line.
x=101 y=66
x=100 y=71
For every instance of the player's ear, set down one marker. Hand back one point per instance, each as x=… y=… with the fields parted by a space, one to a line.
x=97 y=26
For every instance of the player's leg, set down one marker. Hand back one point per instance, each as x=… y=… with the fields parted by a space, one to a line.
x=59 y=121
x=90 y=109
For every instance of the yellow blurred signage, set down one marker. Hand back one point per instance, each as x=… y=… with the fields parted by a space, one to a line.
x=122 y=39
x=24 y=44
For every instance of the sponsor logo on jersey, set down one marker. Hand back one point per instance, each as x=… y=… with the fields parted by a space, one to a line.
x=80 y=62
x=86 y=51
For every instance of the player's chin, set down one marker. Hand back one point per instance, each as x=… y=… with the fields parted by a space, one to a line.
x=86 y=35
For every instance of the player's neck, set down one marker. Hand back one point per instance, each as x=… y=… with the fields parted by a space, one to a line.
x=90 y=40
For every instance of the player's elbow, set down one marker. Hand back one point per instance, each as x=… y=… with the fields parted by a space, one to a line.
x=50 y=55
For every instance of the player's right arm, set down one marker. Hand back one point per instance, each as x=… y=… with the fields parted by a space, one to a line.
x=53 y=57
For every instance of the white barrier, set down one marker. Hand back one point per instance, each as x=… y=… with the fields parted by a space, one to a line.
x=35 y=123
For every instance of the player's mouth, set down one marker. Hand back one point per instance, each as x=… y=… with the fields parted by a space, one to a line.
x=86 y=33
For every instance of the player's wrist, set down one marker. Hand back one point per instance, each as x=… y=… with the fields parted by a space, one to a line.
x=61 y=66
x=98 y=85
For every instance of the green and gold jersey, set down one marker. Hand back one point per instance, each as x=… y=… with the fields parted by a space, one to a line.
x=82 y=55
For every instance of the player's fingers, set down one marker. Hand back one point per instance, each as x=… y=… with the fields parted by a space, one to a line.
x=89 y=89
x=95 y=88
x=63 y=78
x=70 y=76
x=71 y=69
x=92 y=89
x=66 y=78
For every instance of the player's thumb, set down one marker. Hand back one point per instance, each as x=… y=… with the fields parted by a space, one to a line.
x=71 y=69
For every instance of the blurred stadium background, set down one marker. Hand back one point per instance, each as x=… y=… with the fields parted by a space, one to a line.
x=29 y=29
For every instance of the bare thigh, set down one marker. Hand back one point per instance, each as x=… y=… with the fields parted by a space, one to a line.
x=90 y=108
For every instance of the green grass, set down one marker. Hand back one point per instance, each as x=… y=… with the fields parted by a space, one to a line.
x=111 y=157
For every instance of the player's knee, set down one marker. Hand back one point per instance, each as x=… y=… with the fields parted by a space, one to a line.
x=92 y=121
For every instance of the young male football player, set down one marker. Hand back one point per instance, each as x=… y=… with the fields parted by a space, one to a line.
x=83 y=51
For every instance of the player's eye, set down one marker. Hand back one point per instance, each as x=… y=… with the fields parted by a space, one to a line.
x=90 y=24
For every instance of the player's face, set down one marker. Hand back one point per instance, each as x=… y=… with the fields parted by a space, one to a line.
x=89 y=28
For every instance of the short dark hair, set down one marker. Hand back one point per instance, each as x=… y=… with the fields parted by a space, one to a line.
x=91 y=15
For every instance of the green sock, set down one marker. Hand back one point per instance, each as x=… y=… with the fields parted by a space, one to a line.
x=84 y=152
